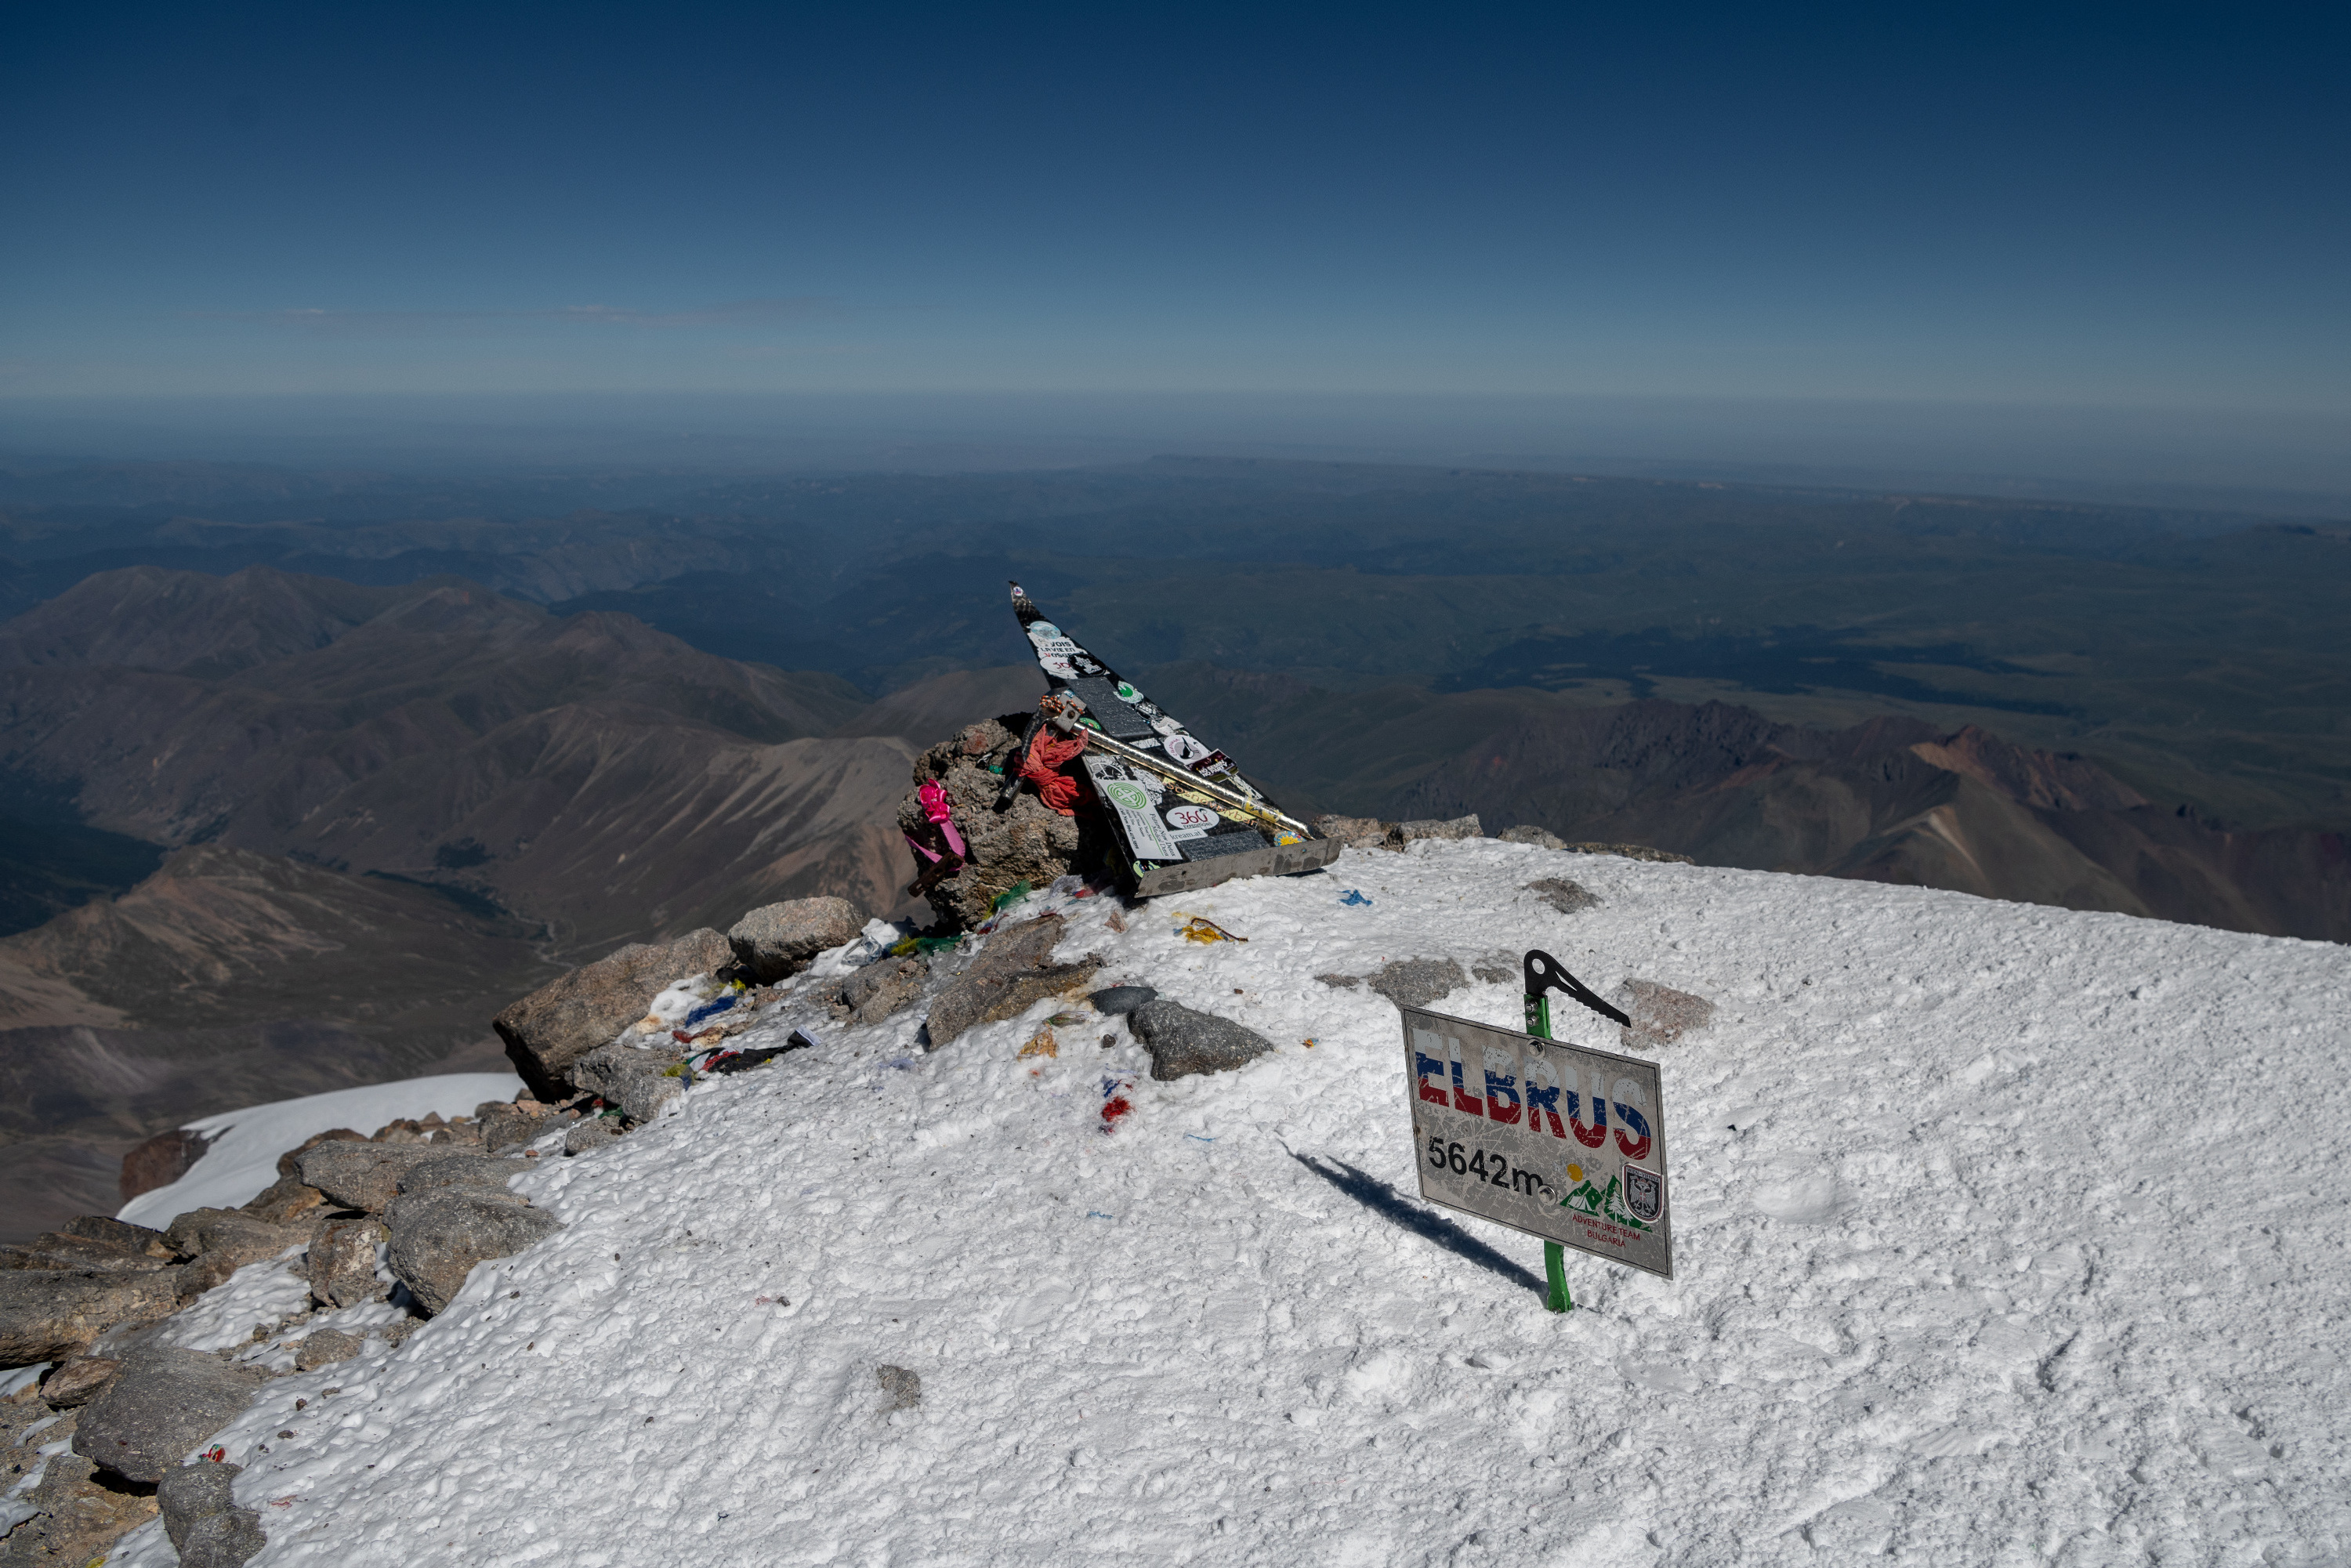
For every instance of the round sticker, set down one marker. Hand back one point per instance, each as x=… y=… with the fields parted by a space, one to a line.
x=1054 y=664
x=1130 y=796
x=1040 y=630
x=1185 y=749
x=1127 y=693
x=1191 y=817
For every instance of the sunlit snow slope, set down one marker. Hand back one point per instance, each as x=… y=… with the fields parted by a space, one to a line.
x=2029 y=1244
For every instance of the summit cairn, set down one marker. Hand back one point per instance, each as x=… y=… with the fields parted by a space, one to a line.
x=1100 y=781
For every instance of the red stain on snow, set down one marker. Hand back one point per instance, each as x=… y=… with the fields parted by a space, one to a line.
x=1112 y=1109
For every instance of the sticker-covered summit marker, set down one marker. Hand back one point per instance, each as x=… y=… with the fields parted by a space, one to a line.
x=1185 y=817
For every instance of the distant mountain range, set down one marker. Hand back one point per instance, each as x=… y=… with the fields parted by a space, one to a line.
x=388 y=811
x=273 y=834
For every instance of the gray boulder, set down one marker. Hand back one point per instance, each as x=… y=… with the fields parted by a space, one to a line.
x=1356 y=833
x=164 y=1402
x=54 y=1249
x=223 y=1240
x=904 y=1387
x=325 y=1347
x=1182 y=1041
x=79 y=1381
x=1566 y=896
x=777 y=940
x=1631 y=852
x=227 y=1539
x=1528 y=833
x=439 y=1235
x=563 y=1020
x=1660 y=1014
x=191 y=1492
x=342 y=1263
x=463 y=1170
x=1418 y=982
x=364 y=1176
x=119 y=1233
x=591 y=1134
x=1118 y=1001
x=1403 y=833
x=882 y=986
x=1013 y=971
x=639 y=1081
x=523 y=1122
x=49 y=1315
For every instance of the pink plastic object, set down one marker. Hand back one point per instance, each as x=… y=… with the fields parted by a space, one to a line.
x=935 y=807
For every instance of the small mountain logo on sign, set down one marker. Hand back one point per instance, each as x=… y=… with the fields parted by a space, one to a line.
x=1645 y=1194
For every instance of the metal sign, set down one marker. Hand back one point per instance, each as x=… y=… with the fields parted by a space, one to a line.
x=1558 y=1140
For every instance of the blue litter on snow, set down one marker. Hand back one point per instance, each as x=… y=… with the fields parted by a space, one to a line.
x=1097 y=1214
x=1198 y=1138
x=1352 y=897
x=709 y=1010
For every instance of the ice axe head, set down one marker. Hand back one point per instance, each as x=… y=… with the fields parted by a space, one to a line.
x=1545 y=973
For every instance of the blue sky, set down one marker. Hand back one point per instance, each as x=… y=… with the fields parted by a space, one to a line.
x=2127 y=206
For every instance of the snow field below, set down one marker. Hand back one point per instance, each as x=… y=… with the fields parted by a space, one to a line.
x=2002 y=1234
x=241 y=1163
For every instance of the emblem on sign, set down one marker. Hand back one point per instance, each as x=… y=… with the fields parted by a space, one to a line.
x=1191 y=817
x=1645 y=1194
x=1130 y=796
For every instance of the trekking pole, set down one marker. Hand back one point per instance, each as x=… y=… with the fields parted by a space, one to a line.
x=1169 y=768
x=1545 y=973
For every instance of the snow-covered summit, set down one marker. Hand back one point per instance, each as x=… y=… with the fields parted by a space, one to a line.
x=2001 y=1234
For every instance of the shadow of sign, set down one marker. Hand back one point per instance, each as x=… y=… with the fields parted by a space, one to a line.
x=1385 y=1201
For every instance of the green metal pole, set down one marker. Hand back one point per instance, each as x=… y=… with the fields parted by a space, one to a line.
x=1555 y=1298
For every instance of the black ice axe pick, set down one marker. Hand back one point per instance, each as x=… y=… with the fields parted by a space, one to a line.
x=1545 y=973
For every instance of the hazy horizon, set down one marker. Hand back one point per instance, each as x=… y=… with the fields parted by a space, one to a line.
x=2184 y=458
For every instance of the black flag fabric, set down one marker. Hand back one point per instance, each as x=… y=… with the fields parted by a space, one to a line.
x=1185 y=815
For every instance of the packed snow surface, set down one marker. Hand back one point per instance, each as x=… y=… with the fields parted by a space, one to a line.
x=2001 y=1234
x=241 y=1163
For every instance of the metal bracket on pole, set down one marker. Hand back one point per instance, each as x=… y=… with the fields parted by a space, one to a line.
x=1545 y=973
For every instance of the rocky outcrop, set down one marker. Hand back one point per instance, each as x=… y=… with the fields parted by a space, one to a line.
x=522 y=1122
x=1014 y=971
x=1371 y=833
x=325 y=1347
x=1418 y=982
x=163 y=1402
x=54 y=1249
x=342 y=1263
x=1026 y=841
x=162 y=1160
x=1564 y=895
x=1660 y=1014
x=639 y=1081
x=1183 y=1041
x=556 y=1025
x=79 y=1381
x=47 y=1314
x=439 y=1235
x=222 y=1241
x=189 y=1494
x=884 y=986
x=364 y=1176
x=778 y=940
